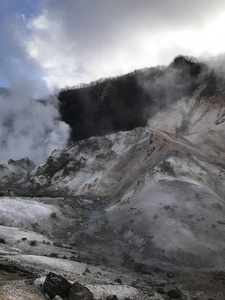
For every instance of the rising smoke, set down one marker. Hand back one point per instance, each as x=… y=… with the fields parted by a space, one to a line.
x=29 y=128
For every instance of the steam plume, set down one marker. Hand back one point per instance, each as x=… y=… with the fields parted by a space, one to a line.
x=28 y=127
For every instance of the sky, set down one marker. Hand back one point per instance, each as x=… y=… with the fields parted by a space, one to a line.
x=52 y=44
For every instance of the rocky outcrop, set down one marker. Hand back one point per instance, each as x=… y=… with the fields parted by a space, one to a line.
x=15 y=172
x=56 y=285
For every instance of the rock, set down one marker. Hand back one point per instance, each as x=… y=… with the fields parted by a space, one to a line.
x=161 y=291
x=119 y=280
x=170 y=275
x=114 y=297
x=87 y=270
x=46 y=295
x=33 y=243
x=175 y=293
x=57 y=244
x=80 y=292
x=57 y=297
x=56 y=285
x=143 y=269
x=53 y=255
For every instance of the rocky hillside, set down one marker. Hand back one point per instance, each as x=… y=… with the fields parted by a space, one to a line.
x=126 y=102
x=156 y=192
x=124 y=201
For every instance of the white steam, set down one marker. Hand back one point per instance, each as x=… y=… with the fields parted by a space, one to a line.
x=29 y=127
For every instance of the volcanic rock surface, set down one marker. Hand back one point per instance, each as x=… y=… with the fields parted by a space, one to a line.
x=136 y=205
x=156 y=192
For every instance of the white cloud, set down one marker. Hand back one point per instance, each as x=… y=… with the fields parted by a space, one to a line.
x=76 y=42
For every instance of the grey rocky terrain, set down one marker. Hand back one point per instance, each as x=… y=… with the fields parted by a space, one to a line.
x=138 y=214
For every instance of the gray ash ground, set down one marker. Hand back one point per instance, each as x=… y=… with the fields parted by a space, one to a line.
x=96 y=269
x=76 y=250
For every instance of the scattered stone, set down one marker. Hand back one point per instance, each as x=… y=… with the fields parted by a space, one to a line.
x=220 y=276
x=56 y=285
x=143 y=269
x=159 y=282
x=80 y=292
x=87 y=270
x=170 y=275
x=69 y=247
x=161 y=291
x=114 y=297
x=73 y=258
x=29 y=282
x=118 y=280
x=196 y=297
x=57 y=244
x=33 y=243
x=53 y=215
x=57 y=297
x=53 y=255
x=157 y=269
x=175 y=293
x=24 y=239
x=47 y=297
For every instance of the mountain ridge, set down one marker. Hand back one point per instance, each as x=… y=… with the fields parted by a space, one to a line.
x=128 y=101
x=151 y=177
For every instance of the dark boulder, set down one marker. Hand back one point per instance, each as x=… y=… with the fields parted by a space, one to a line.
x=143 y=269
x=161 y=291
x=56 y=285
x=80 y=292
x=175 y=293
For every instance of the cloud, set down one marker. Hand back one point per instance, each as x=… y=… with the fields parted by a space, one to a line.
x=57 y=43
x=15 y=62
x=80 y=41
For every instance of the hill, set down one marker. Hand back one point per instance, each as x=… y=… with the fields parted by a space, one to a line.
x=128 y=101
x=140 y=190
